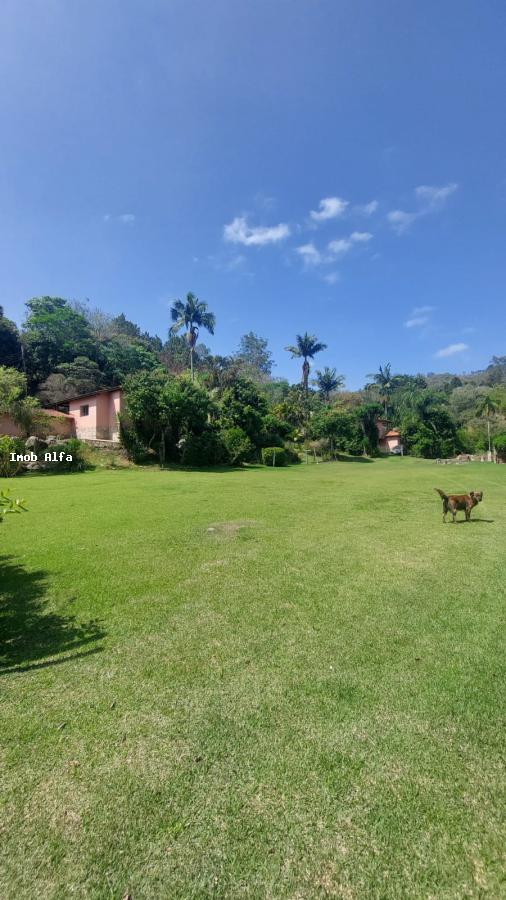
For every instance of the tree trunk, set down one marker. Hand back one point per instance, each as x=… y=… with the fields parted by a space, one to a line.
x=305 y=375
x=191 y=363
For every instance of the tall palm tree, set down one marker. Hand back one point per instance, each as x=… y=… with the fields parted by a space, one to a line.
x=306 y=348
x=487 y=407
x=383 y=380
x=192 y=314
x=328 y=381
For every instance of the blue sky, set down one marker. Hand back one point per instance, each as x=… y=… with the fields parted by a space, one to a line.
x=336 y=166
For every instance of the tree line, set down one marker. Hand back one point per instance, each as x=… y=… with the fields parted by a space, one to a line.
x=185 y=404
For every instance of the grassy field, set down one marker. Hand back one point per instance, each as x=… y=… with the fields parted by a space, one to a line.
x=259 y=683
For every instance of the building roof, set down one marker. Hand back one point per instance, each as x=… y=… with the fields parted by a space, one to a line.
x=91 y=394
x=393 y=433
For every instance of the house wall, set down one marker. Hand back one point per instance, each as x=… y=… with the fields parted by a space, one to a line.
x=86 y=426
x=115 y=408
x=101 y=423
x=392 y=442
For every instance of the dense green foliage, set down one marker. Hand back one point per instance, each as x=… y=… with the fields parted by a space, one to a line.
x=66 y=349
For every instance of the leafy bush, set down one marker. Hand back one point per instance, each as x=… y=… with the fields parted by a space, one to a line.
x=500 y=445
x=274 y=456
x=10 y=445
x=205 y=449
x=237 y=445
x=74 y=448
x=135 y=449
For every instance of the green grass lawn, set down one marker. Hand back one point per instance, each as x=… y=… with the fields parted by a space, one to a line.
x=261 y=683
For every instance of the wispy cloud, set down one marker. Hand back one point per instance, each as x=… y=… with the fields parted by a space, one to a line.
x=310 y=255
x=451 y=350
x=435 y=197
x=328 y=208
x=239 y=232
x=400 y=220
x=366 y=209
x=332 y=277
x=419 y=317
x=431 y=199
x=360 y=237
x=340 y=246
x=124 y=218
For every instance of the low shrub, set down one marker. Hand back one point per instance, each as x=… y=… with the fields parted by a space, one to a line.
x=238 y=447
x=205 y=449
x=274 y=456
x=72 y=447
x=10 y=445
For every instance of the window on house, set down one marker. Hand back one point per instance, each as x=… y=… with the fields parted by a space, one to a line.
x=84 y=410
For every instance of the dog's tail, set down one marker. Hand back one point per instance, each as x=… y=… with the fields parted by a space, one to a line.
x=441 y=494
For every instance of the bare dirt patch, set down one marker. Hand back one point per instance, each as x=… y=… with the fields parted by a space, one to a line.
x=228 y=529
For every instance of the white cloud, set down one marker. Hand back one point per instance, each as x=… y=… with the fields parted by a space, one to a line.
x=451 y=350
x=239 y=232
x=340 y=246
x=329 y=208
x=400 y=220
x=431 y=199
x=421 y=310
x=310 y=255
x=434 y=197
x=416 y=321
x=125 y=218
x=332 y=277
x=366 y=209
x=360 y=237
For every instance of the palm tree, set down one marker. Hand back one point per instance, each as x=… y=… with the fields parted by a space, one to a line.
x=306 y=347
x=487 y=407
x=328 y=381
x=191 y=315
x=383 y=380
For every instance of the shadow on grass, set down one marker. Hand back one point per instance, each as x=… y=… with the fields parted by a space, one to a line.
x=466 y=522
x=354 y=459
x=28 y=633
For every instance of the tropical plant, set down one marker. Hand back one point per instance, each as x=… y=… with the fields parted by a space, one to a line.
x=8 y=505
x=306 y=347
x=327 y=381
x=383 y=381
x=191 y=315
x=487 y=407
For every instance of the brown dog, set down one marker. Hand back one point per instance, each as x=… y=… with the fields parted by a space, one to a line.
x=453 y=502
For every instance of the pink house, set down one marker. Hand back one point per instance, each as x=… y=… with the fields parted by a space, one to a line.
x=388 y=439
x=96 y=415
